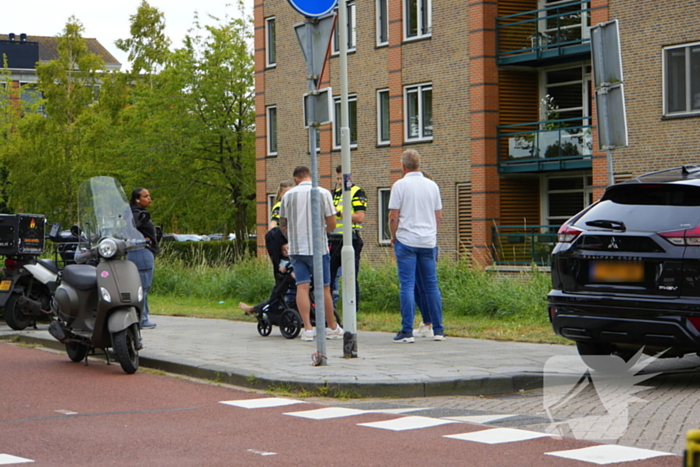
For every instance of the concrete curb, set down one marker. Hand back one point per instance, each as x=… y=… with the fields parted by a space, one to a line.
x=467 y=387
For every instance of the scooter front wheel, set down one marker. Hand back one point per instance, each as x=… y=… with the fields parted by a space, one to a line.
x=14 y=315
x=125 y=347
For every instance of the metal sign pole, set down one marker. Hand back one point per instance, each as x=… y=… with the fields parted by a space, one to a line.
x=318 y=234
x=348 y=251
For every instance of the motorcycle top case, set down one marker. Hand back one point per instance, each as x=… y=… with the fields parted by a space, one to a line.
x=22 y=234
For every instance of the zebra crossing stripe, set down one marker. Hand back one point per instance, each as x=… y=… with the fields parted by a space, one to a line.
x=498 y=436
x=407 y=423
x=262 y=403
x=608 y=454
x=7 y=459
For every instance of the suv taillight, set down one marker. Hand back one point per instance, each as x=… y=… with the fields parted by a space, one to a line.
x=689 y=237
x=10 y=264
x=567 y=234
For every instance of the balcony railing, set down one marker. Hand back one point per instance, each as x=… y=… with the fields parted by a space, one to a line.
x=547 y=145
x=522 y=245
x=550 y=32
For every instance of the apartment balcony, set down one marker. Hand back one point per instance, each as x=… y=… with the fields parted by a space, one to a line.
x=554 y=34
x=565 y=144
x=523 y=245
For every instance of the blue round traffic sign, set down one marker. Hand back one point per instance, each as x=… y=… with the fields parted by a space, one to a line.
x=313 y=8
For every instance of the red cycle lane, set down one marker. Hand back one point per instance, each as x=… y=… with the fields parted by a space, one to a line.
x=56 y=412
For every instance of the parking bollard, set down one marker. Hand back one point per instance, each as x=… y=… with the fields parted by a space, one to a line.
x=691 y=455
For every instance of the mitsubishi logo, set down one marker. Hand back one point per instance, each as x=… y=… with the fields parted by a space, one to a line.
x=613 y=244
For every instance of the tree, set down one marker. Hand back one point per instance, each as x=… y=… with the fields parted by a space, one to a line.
x=148 y=46
x=50 y=153
x=193 y=132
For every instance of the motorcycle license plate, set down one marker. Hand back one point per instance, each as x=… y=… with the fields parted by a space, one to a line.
x=5 y=286
x=604 y=271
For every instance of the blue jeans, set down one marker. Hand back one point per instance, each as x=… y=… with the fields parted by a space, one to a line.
x=417 y=265
x=420 y=295
x=145 y=262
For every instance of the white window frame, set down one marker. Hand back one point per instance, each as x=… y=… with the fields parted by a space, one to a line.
x=690 y=106
x=424 y=19
x=587 y=192
x=420 y=89
x=382 y=22
x=270 y=132
x=336 y=120
x=352 y=30
x=270 y=42
x=380 y=119
x=270 y=202
x=384 y=234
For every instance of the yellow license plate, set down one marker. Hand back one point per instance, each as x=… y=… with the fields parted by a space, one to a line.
x=606 y=271
x=5 y=286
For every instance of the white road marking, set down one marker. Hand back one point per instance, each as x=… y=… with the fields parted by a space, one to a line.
x=66 y=412
x=262 y=403
x=498 y=435
x=397 y=411
x=407 y=423
x=328 y=412
x=6 y=459
x=608 y=454
x=262 y=453
x=481 y=419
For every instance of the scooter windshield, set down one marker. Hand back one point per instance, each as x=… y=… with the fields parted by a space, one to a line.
x=103 y=211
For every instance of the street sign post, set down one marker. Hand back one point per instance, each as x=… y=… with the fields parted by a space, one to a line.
x=313 y=8
x=314 y=36
x=609 y=89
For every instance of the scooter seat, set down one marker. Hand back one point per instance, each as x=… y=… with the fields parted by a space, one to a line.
x=80 y=276
x=49 y=264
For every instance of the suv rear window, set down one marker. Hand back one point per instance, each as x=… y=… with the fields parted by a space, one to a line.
x=648 y=207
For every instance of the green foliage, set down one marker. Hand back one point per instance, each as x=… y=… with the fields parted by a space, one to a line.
x=213 y=254
x=249 y=279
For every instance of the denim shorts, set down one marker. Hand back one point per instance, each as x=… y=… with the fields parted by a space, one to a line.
x=304 y=266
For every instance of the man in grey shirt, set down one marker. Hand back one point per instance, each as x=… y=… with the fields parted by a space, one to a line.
x=296 y=223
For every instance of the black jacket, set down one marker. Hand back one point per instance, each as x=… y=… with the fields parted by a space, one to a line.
x=148 y=229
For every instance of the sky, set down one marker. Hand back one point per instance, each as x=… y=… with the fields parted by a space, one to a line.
x=109 y=21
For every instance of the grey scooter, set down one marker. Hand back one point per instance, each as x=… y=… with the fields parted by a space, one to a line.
x=99 y=301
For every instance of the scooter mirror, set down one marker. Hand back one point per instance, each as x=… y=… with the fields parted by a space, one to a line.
x=76 y=231
x=55 y=230
x=144 y=216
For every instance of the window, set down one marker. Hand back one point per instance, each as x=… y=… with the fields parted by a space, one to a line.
x=384 y=232
x=418 y=18
x=382 y=22
x=272 y=131
x=682 y=79
x=419 y=112
x=271 y=197
x=383 y=116
x=352 y=30
x=352 y=110
x=270 y=42
x=566 y=196
x=31 y=98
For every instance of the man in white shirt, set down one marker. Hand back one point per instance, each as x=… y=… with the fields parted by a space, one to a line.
x=296 y=223
x=415 y=213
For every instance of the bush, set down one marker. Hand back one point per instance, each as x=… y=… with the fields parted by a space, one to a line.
x=213 y=253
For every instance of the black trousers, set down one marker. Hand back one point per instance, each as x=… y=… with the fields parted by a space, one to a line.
x=335 y=244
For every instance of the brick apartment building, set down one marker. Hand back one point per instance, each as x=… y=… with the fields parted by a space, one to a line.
x=24 y=52
x=498 y=98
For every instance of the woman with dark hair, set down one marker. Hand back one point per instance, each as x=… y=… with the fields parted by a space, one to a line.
x=144 y=258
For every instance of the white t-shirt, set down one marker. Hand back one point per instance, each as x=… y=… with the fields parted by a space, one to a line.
x=296 y=208
x=417 y=198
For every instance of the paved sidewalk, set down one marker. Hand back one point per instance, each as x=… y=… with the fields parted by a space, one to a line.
x=234 y=352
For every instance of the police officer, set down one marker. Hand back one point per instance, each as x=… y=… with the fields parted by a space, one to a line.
x=359 y=208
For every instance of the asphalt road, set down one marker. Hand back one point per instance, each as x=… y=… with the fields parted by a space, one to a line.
x=55 y=412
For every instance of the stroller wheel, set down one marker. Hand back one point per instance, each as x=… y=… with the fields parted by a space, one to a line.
x=290 y=323
x=264 y=327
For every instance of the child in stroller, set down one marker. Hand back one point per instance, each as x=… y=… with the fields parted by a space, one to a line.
x=281 y=308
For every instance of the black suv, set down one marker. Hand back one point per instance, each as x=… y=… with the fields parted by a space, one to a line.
x=626 y=270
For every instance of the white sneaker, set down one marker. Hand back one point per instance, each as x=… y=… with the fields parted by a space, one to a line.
x=307 y=336
x=424 y=330
x=337 y=334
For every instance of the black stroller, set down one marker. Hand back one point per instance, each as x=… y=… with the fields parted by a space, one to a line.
x=281 y=308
